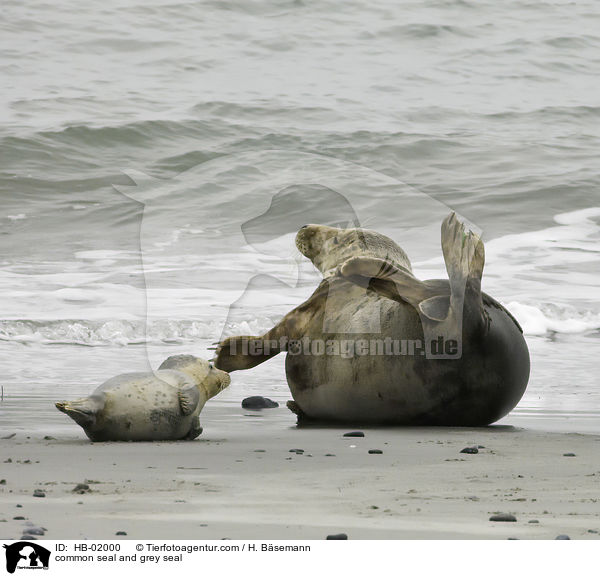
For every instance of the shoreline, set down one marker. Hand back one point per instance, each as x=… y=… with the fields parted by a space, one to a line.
x=239 y=480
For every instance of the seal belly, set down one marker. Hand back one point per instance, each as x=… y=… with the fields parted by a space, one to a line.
x=405 y=387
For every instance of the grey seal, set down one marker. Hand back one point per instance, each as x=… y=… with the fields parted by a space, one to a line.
x=445 y=352
x=161 y=405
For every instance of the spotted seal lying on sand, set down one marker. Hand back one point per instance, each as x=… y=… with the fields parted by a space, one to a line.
x=149 y=406
x=373 y=344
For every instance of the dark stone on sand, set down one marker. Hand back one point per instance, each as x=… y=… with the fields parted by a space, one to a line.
x=337 y=537
x=534 y=522
x=330 y=455
x=19 y=505
x=569 y=454
x=34 y=530
x=470 y=450
x=593 y=531
x=512 y=538
x=81 y=488
x=258 y=403
x=121 y=533
x=19 y=518
x=503 y=517
x=355 y=434
x=39 y=493
x=297 y=450
x=562 y=537
x=3 y=481
x=49 y=438
x=376 y=451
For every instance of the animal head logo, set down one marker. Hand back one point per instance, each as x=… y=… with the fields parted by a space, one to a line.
x=230 y=225
x=28 y=555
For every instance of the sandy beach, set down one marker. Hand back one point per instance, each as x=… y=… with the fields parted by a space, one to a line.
x=248 y=483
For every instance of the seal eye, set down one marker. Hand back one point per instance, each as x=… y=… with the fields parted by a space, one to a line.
x=335 y=240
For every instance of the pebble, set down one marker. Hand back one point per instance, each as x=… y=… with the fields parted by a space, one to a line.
x=297 y=450
x=355 y=434
x=34 y=530
x=569 y=454
x=562 y=537
x=121 y=533
x=375 y=451
x=470 y=450
x=503 y=517
x=19 y=505
x=593 y=531
x=49 y=438
x=258 y=403
x=341 y=536
x=330 y=455
x=3 y=481
x=39 y=493
x=19 y=518
x=81 y=488
x=534 y=522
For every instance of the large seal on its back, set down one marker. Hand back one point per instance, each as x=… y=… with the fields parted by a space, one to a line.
x=396 y=350
x=149 y=406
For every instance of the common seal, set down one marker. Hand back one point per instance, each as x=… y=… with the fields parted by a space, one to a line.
x=445 y=352
x=149 y=406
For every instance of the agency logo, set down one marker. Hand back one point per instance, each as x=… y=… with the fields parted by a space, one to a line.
x=26 y=556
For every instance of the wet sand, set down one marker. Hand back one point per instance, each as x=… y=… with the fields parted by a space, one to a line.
x=242 y=482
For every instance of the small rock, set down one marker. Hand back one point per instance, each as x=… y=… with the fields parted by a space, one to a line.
x=562 y=537
x=49 y=438
x=503 y=517
x=260 y=450
x=121 y=533
x=341 y=536
x=39 y=493
x=534 y=522
x=258 y=403
x=3 y=481
x=470 y=450
x=355 y=434
x=81 y=488
x=330 y=455
x=34 y=530
x=376 y=451
x=19 y=506
x=593 y=531
x=19 y=518
x=297 y=450
x=512 y=538
x=569 y=455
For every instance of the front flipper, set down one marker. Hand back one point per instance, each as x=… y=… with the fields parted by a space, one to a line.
x=195 y=430
x=188 y=399
x=244 y=352
x=391 y=281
